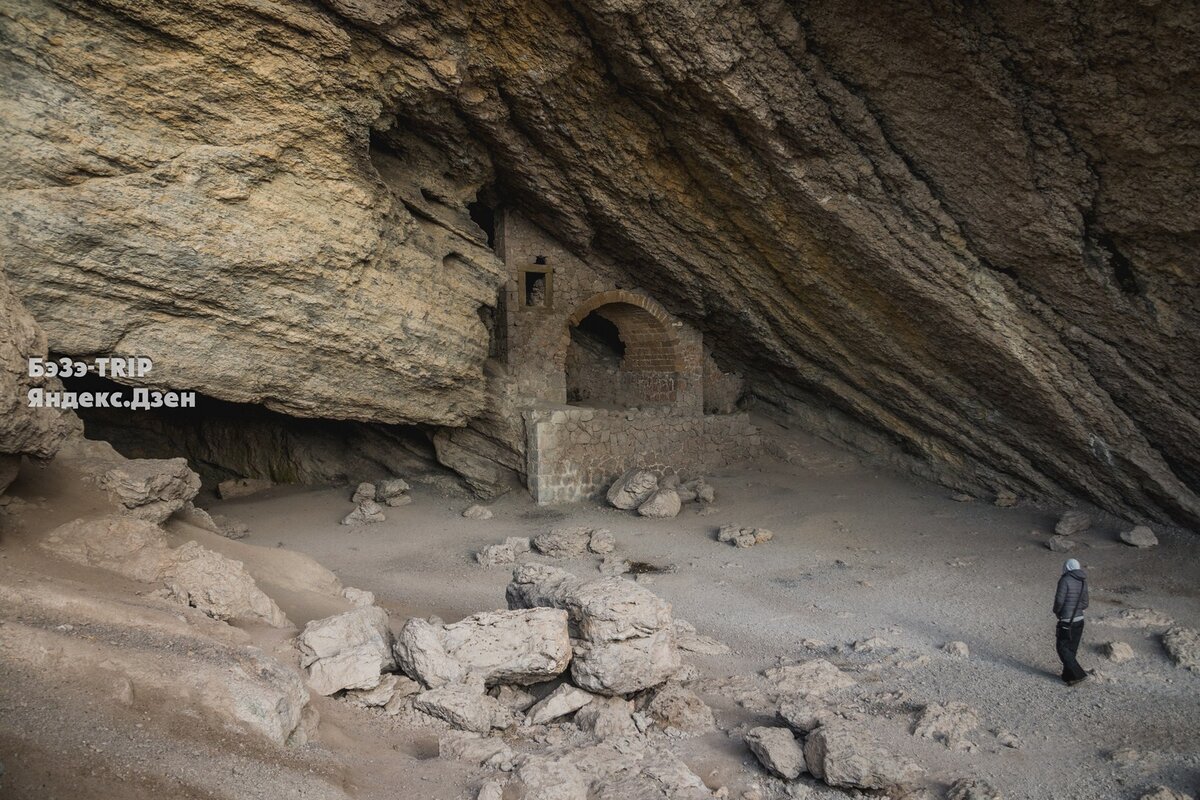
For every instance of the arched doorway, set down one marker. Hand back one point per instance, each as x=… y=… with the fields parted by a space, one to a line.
x=622 y=352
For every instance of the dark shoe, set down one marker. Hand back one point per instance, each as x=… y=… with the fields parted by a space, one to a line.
x=1077 y=681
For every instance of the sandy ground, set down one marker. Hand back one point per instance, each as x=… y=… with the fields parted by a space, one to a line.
x=857 y=553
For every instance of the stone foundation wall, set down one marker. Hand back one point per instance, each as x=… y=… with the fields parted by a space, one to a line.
x=575 y=453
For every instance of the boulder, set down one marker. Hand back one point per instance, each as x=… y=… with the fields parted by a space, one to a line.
x=949 y=724
x=420 y=653
x=347 y=651
x=545 y=778
x=743 y=537
x=519 y=544
x=520 y=647
x=219 y=586
x=365 y=513
x=563 y=542
x=973 y=789
x=495 y=555
x=848 y=756
x=602 y=542
x=242 y=487
x=1072 y=523
x=566 y=699
x=674 y=706
x=663 y=504
x=390 y=489
x=131 y=547
x=397 y=500
x=623 y=632
x=1060 y=544
x=1117 y=652
x=607 y=717
x=1139 y=536
x=957 y=649
x=364 y=491
x=359 y=598
x=632 y=489
x=465 y=706
x=813 y=678
x=777 y=750
x=492 y=790
x=477 y=512
x=1183 y=645
x=151 y=488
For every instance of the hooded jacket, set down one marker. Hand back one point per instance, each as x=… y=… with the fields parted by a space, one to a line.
x=1071 y=596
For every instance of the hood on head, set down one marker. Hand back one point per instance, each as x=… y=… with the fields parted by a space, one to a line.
x=1071 y=565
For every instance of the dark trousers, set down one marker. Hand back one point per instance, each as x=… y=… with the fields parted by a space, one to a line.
x=1067 y=637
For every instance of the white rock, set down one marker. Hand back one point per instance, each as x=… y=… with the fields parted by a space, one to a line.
x=515 y=647
x=663 y=504
x=563 y=542
x=543 y=778
x=740 y=536
x=420 y=653
x=948 y=723
x=464 y=705
x=1140 y=536
x=1072 y=523
x=390 y=488
x=566 y=699
x=358 y=598
x=347 y=651
x=687 y=639
x=519 y=544
x=390 y=686
x=495 y=555
x=623 y=632
x=219 y=586
x=477 y=512
x=847 y=756
x=607 y=717
x=492 y=790
x=1183 y=645
x=364 y=491
x=366 y=513
x=398 y=501
x=777 y=750
x=810 y=679
x=1116 y=652
x=151 y=488
x=632 y=489
x=475 y=749
x=131 y=547
x=674 y=706
x=602 y=541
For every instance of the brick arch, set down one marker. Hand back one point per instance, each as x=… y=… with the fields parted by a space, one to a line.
x=648 y=331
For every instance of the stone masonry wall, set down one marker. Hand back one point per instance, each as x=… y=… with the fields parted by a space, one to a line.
x=575 y=453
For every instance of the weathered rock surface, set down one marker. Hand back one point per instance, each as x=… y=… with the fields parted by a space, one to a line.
x=477 y=512
x=1140 y=536
x=151 y=488
x=675 y=706
x=1117 y=652
x=813 y=678
x=1183 y=645
x=973 y=789
x=623 y=632
x=514 y=647
x=663 y=504
x=777 y=750
x=219 y=586
x=366 y=512
x=688 y=639
x=566 y=699
x=1060 y=544
x=1165 y=793
x=347 y=651
x=740 y=536
x=29 y=431
x=364 y=491
x=847 y=756
x=465 y=706
x=133 y=547
x=948 y=723
x=607 y=717
x=632 y=489
x=968 y=167
x=957 y=649
x=474 y=749
x=420 y=653
x=563 y=542
x=1073 y=522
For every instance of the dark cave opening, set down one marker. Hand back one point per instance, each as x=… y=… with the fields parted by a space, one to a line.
x=1121 y=266
x=484 y=216
x=222 y=439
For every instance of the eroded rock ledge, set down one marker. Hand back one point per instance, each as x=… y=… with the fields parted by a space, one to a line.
x=961 y=238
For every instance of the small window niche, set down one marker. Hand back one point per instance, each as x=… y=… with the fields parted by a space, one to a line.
x=537 y=286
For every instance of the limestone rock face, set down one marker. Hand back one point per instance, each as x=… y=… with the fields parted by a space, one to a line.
x=219 y=586
x=963 y=237
x=23 y=431
x=151 y=488
x=347 y=651
x=512 y=647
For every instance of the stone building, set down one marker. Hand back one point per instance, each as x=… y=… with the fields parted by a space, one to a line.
x=605 y=377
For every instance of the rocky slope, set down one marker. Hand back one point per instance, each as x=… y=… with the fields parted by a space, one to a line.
x=962 y=237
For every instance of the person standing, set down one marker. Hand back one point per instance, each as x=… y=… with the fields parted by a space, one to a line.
x=1070 y=600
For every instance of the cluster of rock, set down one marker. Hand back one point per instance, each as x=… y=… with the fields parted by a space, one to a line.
x=1074 y=522
x=369 y=500
x=600 y=653
x=643 y=490
x=739 y=536
x=556 y=543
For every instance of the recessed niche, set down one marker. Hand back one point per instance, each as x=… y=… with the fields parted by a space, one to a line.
x=536 y=288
